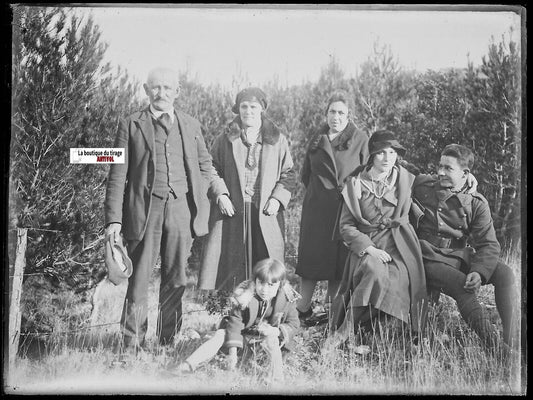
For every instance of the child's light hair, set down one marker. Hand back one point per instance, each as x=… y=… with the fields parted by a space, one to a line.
x=269 y=270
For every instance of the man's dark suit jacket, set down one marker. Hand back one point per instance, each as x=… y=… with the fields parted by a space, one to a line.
x=130 y=185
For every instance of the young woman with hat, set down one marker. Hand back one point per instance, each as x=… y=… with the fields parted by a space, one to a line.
x=335 y=151
x=256 y=179
x=384 y=272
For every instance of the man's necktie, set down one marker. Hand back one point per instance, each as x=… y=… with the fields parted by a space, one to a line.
x=165 y=122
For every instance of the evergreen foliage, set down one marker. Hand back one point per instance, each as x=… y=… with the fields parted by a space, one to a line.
x=64 y=97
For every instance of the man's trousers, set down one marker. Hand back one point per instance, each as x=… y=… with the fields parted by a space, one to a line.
x=451 y=282
x=168 y=233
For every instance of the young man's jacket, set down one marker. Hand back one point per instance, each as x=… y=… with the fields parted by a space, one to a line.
x=446 y=222
x=245 y=313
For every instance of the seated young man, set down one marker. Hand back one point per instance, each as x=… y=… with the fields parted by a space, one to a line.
x=448 y=217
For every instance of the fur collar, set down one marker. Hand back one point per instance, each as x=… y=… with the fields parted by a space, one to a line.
x=269 y=131
x=344 y=140
x=244 y=293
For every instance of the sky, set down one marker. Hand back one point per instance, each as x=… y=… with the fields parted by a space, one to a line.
x=216 y=44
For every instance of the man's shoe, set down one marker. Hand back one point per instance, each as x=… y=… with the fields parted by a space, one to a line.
x=166 y=341
x=316 y=319
x=125 y=355
x=303 y=315
x=185 y=368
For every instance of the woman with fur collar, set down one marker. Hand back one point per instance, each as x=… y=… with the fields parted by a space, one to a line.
x=264 y=312
x=256 y=178
x=335 y=151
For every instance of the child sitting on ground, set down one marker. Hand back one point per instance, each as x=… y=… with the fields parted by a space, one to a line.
x=264 y=311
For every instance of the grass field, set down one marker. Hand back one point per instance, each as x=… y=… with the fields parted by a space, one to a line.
x=449 y=360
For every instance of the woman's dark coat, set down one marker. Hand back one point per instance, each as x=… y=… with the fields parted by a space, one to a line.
x=321 y=254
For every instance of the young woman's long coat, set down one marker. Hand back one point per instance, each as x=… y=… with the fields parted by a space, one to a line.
x=223 y=258
x=321 y=255
x=357 y=231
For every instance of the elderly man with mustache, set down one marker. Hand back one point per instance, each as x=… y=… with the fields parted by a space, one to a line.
x=158 y=200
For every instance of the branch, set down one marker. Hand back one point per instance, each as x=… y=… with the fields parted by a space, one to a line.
x=34 y=182
x=51 y=144
x=71 y=259
x=367 y=106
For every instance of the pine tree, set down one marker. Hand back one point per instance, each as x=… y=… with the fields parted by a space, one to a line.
x=64 y=96
x=494 y=90
x=383 y=91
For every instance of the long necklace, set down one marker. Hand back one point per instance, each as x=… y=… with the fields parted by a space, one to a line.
x=375 y=188
x=376 y=183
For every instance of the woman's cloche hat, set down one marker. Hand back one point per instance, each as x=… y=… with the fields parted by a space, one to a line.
x=250 y=94
x=381 y=140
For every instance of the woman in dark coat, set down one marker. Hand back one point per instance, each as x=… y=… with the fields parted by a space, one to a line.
x=256 y=178
x=384 y=270
x=335 y=151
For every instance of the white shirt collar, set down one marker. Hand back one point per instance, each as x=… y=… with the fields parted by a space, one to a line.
x=157 y=113
x=252 y=134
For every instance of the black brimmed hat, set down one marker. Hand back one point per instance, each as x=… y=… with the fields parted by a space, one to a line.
x=381 y=140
